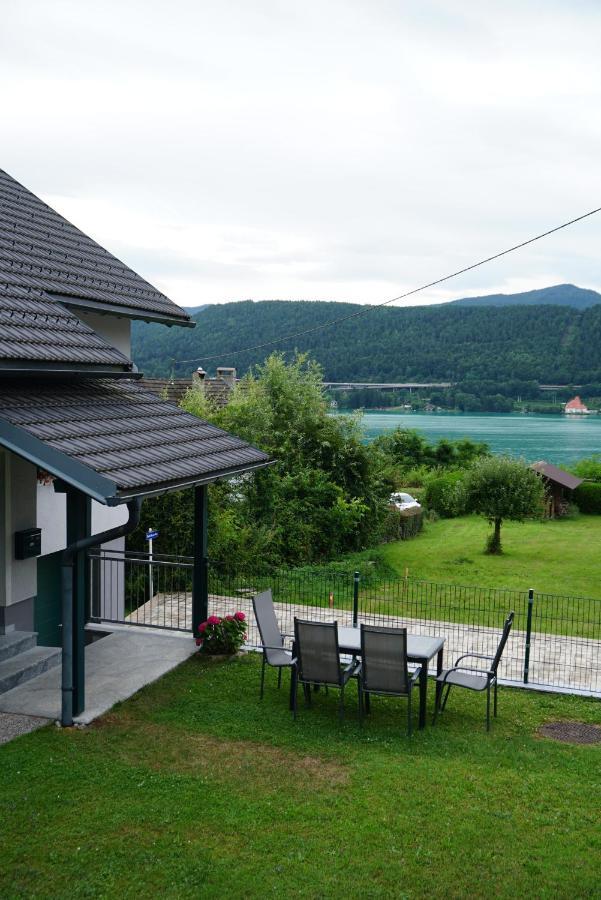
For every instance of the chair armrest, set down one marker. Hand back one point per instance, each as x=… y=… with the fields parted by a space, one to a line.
x=473 y=656
x=352 y=670
x=416 y=675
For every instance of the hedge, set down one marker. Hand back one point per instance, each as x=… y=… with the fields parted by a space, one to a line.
x=587 y=497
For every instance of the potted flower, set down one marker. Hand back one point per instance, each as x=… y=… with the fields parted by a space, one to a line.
x=222 y=636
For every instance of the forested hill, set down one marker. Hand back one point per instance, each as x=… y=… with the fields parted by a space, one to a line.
x=558 y=294
x=550 y=344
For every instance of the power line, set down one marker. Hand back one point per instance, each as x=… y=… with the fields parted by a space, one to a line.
x=369 y=309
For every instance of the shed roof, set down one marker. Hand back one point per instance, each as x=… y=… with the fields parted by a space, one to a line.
x=43 y=253
x=114 y=440
x=559 y=476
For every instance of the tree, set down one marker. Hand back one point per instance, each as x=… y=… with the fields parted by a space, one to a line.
x=500 y=488
x=325 y=494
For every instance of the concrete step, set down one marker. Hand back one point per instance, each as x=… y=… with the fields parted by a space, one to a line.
x=21 y=668
x=16 y=642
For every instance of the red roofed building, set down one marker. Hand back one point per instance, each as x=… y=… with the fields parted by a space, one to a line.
x=576 y=407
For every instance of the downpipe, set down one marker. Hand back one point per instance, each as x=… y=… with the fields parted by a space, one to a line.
x=67 y=570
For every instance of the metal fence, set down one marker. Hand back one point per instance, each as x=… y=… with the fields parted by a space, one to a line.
x=555 y=642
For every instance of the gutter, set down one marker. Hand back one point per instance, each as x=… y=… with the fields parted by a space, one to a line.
x=67 y=564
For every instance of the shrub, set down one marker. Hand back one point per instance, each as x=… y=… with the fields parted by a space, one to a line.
x=587 y=497
x=222 y=635
x=443 y=493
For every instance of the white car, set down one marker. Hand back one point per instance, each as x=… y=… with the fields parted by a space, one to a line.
x=404 y=501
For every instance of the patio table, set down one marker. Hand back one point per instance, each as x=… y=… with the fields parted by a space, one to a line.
x=421 y=648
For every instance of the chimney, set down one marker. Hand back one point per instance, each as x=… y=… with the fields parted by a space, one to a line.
x=228 y=375
x=199 y=376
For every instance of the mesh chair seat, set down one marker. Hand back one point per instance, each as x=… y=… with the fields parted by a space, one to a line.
x=462 y=675
x=272 y=639
x=279 y=657
x=470 y=680
x=318 y=660
x=384 y=668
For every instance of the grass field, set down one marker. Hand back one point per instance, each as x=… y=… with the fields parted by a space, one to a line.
x=196 y=789
x=556 y=557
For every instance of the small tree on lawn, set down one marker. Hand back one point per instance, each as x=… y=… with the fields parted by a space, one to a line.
x=499 y=488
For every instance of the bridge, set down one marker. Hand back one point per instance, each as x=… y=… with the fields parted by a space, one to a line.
x=383 y=386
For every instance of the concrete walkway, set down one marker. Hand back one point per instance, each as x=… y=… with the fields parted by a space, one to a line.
x=117 y=666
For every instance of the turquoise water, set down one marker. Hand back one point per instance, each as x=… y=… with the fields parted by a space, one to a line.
x=556 y=439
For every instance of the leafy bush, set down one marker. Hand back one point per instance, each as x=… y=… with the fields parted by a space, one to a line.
x=222 y=635
x=443 y=493
x=587 y=497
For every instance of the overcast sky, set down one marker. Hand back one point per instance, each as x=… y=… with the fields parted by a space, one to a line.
x=323 y=149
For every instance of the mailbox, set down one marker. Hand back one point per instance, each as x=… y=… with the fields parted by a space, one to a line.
x=28 y=543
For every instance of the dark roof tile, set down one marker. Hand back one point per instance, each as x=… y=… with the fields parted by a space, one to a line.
x=35 y=329
x=40 y=249
x=121 y=431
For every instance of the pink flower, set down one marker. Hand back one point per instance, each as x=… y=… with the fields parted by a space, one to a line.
x=229 y=618
x=202 y=627
x=213 y=620
x=239 y=616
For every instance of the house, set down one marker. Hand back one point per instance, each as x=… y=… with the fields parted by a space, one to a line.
x=559 y=486
x=81 y=442
x=217 y=390
x=575 y=407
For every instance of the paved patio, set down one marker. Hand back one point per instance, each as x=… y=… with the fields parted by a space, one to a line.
x=568 y=663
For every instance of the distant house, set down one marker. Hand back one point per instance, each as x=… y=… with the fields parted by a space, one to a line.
x=217 y=390
x=575 y=407
x=559 y=486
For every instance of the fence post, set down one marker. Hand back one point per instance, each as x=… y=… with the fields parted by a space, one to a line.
x=200 y=587
x=356 y=578
x=528 y=635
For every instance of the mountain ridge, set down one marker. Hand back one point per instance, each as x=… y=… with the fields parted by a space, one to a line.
x=447 y=342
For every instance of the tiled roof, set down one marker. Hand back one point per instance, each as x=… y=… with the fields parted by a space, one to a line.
x=119 y=431
x=559 y=476
x=43 y=252
x=36 y=330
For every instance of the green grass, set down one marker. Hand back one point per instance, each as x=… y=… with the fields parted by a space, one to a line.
x=196 y=789
x=555 y=556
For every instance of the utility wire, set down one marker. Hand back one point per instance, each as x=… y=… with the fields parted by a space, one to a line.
x=369 y=309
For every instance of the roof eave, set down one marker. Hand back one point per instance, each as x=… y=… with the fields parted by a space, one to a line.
x=116 y=309
x=182 y=484
x=35 y=368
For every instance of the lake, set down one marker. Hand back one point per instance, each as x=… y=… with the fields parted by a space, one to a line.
x=556 y=439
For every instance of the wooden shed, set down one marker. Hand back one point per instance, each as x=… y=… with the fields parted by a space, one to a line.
x=559 y=485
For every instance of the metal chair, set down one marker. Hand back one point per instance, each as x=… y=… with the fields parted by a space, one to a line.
x=272 y=640
x=472 y=677
x=318 y=660
x=384 y=667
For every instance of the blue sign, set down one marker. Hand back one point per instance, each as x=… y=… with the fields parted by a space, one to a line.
x=151 y=535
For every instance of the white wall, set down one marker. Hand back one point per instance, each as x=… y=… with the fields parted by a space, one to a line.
x=114 y=329
x=52 y=518
x=18 y=479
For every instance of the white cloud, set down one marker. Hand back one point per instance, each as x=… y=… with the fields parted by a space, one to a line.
x=346 y=149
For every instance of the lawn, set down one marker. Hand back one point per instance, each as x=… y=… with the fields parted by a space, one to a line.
x=555 y=556
x=195 y=788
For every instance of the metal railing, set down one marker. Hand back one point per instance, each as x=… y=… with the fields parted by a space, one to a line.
x=555 y=642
